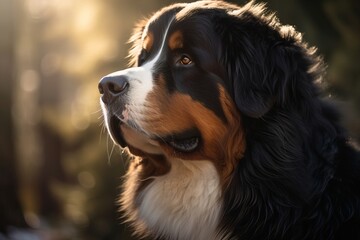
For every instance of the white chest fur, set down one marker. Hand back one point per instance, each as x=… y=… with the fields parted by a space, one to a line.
x=183 y=204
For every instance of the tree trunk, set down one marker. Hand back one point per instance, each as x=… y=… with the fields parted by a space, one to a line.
x=10 y=207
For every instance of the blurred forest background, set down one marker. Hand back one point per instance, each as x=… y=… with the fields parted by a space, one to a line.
x=59 y=171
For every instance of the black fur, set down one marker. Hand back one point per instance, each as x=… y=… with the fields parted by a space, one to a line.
x=299 y=178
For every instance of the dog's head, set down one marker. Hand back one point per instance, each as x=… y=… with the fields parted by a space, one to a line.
x=198 y=70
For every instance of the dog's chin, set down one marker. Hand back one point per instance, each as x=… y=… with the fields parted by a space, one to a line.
x=137 y=142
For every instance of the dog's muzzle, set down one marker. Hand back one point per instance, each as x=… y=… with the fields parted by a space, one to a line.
x=113 y=90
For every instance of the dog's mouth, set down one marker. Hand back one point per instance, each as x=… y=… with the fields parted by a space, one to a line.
x=185 y=145
x=114 y=127
x=185 y=142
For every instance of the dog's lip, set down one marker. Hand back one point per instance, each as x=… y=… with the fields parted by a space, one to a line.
x=115 y=125
x=115 y=131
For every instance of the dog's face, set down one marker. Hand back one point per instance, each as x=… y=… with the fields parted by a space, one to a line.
x=175 y=101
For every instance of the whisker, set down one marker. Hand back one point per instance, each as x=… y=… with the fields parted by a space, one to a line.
x=124 y=158
x=95 y=112
x=102 y=131
x=102 y=123
x=111 y=152
x=108 y=152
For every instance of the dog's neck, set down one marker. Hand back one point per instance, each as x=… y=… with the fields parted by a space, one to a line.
x=185 y=203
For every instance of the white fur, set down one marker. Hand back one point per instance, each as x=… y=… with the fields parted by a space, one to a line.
x=141 y=84
x=140 y=81
x=183 y=204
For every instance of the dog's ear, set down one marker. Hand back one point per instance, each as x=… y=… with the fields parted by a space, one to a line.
x=263 y=59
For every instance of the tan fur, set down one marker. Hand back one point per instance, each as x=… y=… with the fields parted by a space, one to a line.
x=223 y=144
x=176 y=40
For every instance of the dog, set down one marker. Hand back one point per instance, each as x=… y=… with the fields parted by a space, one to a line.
x=221 y=111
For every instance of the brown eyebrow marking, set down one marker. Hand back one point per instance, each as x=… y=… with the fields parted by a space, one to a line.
x=148 y=41
x=176 y=40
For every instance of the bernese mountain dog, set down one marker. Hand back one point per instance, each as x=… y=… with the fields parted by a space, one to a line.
x=229 y=137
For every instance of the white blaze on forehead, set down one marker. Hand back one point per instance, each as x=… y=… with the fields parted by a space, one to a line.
x=141 y=81
x=150 y=65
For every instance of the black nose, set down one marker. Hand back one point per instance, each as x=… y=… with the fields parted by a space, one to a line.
x=111 y=87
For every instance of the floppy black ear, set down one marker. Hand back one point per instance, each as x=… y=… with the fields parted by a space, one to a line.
x=265 y=61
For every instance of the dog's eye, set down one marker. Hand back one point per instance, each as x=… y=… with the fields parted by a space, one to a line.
x=185 y=60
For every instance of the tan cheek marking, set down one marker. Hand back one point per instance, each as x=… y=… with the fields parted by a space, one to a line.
x=148 y=41
x=168 y=113
x=176 y=40
x=224 y=144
